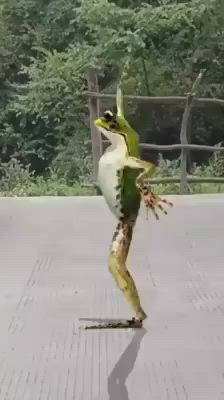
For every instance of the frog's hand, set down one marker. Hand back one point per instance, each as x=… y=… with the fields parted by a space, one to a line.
x=150 y=200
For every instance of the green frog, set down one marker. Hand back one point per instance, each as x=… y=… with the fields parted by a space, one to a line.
x=122 y=179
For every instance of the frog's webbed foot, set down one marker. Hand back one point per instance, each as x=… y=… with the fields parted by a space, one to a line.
x=153 y=201
x=133 y=323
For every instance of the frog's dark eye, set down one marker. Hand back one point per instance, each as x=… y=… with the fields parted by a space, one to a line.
x=108 y=115
x=113 y=125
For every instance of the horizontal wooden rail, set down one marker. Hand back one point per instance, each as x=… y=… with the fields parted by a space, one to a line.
x=190 y=179
x=172 y=147
x=175 y=100
x=176 y=179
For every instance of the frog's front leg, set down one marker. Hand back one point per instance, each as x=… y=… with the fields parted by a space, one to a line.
x=150 y=200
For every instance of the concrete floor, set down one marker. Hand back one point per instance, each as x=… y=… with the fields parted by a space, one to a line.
x=53 y=271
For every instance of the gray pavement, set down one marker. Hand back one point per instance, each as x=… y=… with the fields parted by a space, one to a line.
x=53 y=271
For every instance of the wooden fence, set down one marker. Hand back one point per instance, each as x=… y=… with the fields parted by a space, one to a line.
x=188 y=102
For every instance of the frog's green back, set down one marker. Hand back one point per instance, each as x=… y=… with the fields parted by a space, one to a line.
x=130 y=196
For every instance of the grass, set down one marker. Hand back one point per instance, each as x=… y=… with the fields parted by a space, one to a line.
x=194 y=188
x=41 y=187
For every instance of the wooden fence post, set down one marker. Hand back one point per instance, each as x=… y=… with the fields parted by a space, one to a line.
x=184 y=141
x=184 y=133
x=189 y=138
x=96 y=138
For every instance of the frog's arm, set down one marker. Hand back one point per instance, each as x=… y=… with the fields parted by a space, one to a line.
x=147 y=168
x=150 y=200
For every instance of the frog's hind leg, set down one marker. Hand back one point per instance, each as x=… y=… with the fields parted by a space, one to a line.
x=117 y=266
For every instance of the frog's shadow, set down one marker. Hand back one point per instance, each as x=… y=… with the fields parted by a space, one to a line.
x=116 y=381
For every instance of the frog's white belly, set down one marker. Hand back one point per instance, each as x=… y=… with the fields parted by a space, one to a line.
x=110 y=165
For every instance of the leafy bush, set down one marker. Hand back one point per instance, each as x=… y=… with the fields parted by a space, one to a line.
x=18 y=180
x=167 y=168
x=73 y=162
x=14 y=175
x=214 y=168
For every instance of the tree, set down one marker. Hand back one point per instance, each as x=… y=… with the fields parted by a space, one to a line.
x=47 y=46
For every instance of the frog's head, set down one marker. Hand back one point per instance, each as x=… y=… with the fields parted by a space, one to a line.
x=111 y=122
x=114 y=125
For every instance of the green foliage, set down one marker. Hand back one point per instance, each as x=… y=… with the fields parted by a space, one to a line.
x=52 y=110
x=74 y=164
x=18 y=180
x=214 y=168
x=14 y=175
x=47 y=46
x=167 y=168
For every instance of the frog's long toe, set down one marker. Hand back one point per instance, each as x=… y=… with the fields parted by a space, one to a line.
x=153 y=201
